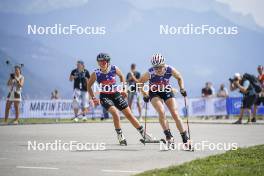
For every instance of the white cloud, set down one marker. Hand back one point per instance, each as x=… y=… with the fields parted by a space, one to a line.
x=195 y=5
x=248 y=7
x=246 y=13
x=37 y=6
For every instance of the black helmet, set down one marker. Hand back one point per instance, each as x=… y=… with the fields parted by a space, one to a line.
x=103 y=57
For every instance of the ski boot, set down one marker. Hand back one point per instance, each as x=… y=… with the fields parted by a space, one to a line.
x=121 y=138
x=169 y=139
x=186 y=142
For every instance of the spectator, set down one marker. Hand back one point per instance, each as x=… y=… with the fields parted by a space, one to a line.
x=15 y=84
x=55 y=95
x=207 y=90
x=222 y=92
x=260 y=96
x=132 y=79
x=249 y=95
x=80 y=77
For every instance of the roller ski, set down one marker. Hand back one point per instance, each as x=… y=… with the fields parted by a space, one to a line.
x=153 y=141
x=147 y=138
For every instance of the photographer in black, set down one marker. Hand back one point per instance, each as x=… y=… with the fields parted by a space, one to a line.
x=245 y=87
x=80 y=77
x=15 y=84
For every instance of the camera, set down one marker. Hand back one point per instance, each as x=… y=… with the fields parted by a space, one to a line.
x=232 y=80
x=12 y=75
x=81 y=75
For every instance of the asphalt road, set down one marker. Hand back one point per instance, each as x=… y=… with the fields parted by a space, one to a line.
x=17 y=159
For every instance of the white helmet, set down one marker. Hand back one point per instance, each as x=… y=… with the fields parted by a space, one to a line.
x=157 y=60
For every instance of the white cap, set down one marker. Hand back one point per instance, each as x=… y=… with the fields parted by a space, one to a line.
x=237 y=75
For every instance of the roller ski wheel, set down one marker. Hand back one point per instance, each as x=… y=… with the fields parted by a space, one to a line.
x=123 y=142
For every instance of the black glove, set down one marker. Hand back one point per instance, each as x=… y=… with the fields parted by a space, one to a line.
x=146 y=99
x=183 y=92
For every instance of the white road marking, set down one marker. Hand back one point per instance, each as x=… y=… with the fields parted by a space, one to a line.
x=120 y=171
x=32 y=167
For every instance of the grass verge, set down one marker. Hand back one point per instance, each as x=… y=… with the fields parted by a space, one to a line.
x=242 y=162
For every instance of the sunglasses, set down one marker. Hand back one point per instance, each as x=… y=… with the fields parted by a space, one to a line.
x=158 y=67
x=103 y=62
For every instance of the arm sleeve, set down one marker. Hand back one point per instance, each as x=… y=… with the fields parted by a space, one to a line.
x=246 y=84
x=72 y=72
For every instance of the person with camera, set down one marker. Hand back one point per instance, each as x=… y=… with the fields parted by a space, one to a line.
x=246 y=88
x=15 y=84
x=260 y=96
x=80 y=77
